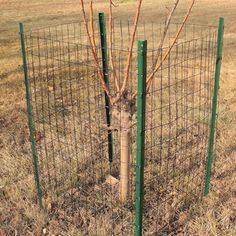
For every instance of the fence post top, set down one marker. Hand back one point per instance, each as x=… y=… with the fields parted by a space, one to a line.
x=221 y=18
x=101 y=14
x=21 y=26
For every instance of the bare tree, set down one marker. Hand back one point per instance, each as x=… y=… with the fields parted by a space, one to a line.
x=122 y=100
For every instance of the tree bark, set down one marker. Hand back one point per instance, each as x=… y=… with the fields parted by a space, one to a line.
x=122 y=113
x=124 y=162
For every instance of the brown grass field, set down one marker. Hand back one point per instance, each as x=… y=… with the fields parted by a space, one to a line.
x=19 y=215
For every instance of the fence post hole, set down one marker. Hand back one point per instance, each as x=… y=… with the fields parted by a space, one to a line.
x=30 y=116
x=214 y=106
x=140 y=139
x=103 y=38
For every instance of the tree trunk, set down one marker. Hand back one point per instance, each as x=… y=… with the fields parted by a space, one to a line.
x=125 y=133
x=124 y=165
x=122 y=112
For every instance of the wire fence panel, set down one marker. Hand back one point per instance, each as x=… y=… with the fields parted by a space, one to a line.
x=79 y=182
x=177 y=130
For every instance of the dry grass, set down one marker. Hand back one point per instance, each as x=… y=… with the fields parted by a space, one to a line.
x=18 y=213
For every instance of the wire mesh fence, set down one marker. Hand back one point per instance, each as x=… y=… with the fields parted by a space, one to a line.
x=79 y=180
x=177 y=128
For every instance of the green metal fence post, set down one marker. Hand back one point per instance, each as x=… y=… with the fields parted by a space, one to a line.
x=214 y=106
x=30 y=116
x=140 y=140
x=103 y=37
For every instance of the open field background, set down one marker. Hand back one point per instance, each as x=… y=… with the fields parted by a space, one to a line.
x=18 y=214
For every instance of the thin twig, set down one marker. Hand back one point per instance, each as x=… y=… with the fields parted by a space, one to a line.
x=167 y=24
x=113 y=4
x=157 y=67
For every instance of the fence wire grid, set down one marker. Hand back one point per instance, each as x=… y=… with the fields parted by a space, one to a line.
x=69 y=114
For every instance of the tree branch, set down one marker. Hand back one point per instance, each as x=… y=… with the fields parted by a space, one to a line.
x=128 y=63
x=167 y=24
x=92 y=27
x=93 y=49
x=110 y=42
x=157 y=67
